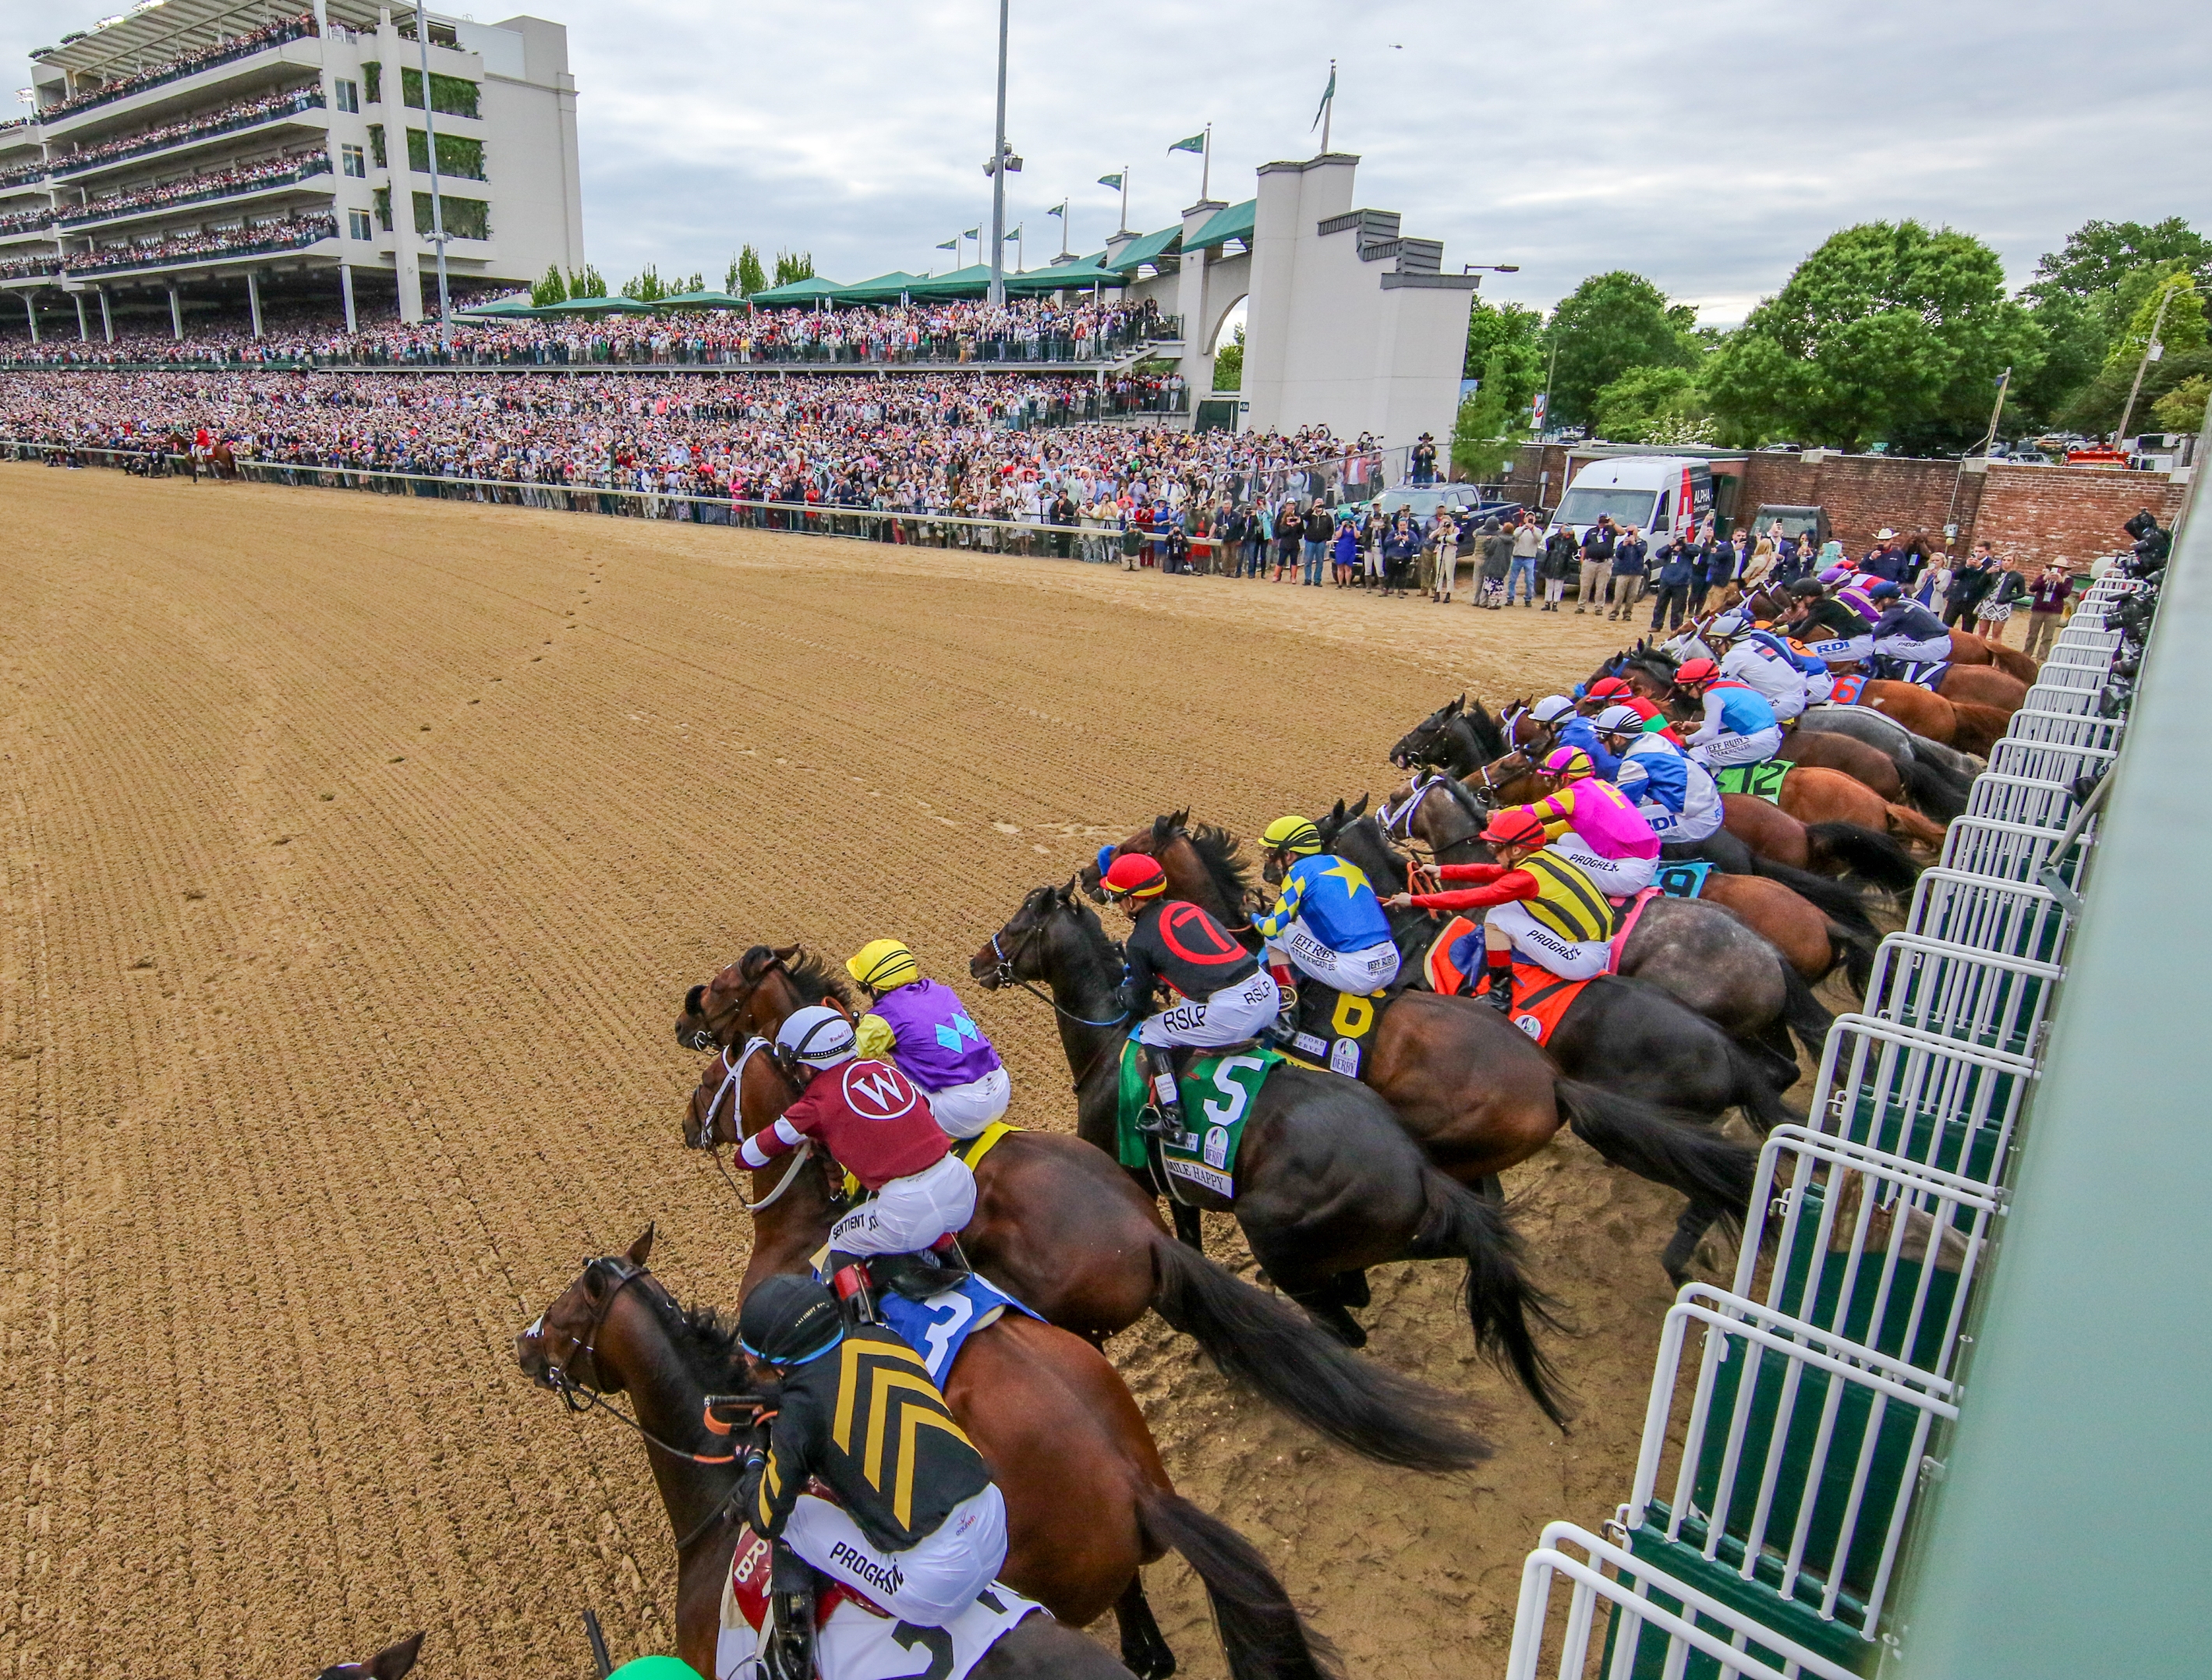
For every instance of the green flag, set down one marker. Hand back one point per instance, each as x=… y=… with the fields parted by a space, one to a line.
x=1195 y=144
x=1327 y=94
x=973 y=233
x=952 y=244
x=1113 y=181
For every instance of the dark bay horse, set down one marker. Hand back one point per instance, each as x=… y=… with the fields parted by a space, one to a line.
x=1061 y=1226
x=1327 y=1183
x=1088 y=1501
x=389 y=1663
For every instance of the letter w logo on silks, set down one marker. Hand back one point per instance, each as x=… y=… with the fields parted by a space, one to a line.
x=878 y=1092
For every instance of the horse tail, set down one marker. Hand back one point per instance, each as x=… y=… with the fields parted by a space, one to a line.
x=1855 y=950
x=1878 y=857
x=1262 y=1634
x=1837 y=900
x=1903 y=820
x=1654 y=1145
x=1932 y=790
x=1500 y=1302
x=1755 y=1094
x=1261 y=1341
x=1808 y=1017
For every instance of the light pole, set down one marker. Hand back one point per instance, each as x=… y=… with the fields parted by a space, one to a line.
x=999 y=176
x=2151 y=349
x=437 y=205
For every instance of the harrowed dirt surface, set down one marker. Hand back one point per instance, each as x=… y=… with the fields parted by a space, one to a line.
x=357 y=853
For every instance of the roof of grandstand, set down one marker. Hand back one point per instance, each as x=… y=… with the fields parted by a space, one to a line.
x=1233 y=223
x=162 y=29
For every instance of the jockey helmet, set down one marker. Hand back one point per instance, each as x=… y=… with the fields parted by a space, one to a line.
x=1727 y=624
x=1551 y=708
x=1135 y=876
x=1515 y=828
x=1620 y=720
x=817 y=1035
x=1696 y=674
x=1808 y=588
x=1569 y=764
x=882 y=965
x=789 y=1319
x=1884 y=590
x=1840 y=573
x=1609 y=687
x=1293 y=834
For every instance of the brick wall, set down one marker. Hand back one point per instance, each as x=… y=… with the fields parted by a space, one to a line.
x=2041 y=514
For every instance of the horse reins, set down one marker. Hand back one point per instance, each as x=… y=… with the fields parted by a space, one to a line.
x=800 y=1156
x=581 y=1396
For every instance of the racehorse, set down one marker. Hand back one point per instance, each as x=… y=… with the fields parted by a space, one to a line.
x=1088 y=1501
x=1666 y=946
x=389 y=1663
x=1326 y=1182
x=1062 y=1228
x=1661 y=1054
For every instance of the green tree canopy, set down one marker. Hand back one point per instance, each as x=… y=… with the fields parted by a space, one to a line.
x=2099 y=255
x=1486 y=432
x=745 y=275
x=1518 y=333
x=1889 y=332
x=2075 y=342
x=2182 y=408
x=551 y=289
x=2180 y=328
x=586 y=282
x=792 y=265
x=1612 y=323
x=1652 y=405
x=645 y=287
x=1229 y=363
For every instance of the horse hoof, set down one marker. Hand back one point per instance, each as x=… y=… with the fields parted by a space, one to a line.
x=1346 y=1328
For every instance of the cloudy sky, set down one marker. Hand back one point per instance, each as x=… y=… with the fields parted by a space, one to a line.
x=1708 y=143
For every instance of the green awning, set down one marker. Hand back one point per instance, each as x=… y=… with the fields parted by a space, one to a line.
x=1148 y=249
x=884 y=289
x=519 y=305
x=1233 y=223
x=597 y=306
x=808 y=290
x=1037 y=282
x=706 y=300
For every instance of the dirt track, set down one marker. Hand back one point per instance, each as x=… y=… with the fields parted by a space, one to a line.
x=357 y=851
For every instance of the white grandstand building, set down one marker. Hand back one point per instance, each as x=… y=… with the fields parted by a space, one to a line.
x=194 y=154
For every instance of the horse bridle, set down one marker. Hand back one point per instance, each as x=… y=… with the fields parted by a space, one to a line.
x=1004 y=974
x=733 y=1074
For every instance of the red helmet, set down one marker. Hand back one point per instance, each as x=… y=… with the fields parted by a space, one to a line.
x=1135 y=876
x=1696 y=674
x=1517 y=827
x=1611 y=689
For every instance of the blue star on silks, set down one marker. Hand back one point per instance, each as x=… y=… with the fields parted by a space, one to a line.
x=950 y=1033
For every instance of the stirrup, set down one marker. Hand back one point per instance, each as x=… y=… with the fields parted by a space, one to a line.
x=793 y=1583
x=855 y=1287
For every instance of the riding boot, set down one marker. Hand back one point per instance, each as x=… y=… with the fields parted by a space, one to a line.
x=1166 y=1107
x=791 y=1585
x=850 y=1276
x=1501 y=986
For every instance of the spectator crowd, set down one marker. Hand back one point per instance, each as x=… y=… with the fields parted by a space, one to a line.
x=242 y=176
x=222 y=52
x=239 y=113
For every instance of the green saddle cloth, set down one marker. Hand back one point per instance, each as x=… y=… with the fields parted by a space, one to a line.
x=1761 y=781
x=1218 y=1093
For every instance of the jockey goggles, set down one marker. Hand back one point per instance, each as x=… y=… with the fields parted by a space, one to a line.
x=1696 y=674
x=789 y=1319
x=1516 y=828
x=1569 y=763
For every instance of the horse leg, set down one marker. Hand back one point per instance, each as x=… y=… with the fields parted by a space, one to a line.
x=1325 y=1301
x=1187 y=1229
x=1145 y=1650
x=1689 y=1231
x=1352 y=1290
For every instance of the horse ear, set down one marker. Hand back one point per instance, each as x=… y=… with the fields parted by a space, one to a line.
x=1337 y=815
x=641 y=1250
x=1459 y=705
x=1068 y=893
x=785 y=953
x=395 y=1660
x=1359 y=809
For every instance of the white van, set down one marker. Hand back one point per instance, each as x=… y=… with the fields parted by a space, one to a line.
x=1659 y=495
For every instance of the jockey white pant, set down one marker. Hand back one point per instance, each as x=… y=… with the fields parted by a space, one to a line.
x=928 y=1584
x=1844 y=650
x=1229 y=1017
x=1718 y=755
x=908 y=1214
x=1931 y=651
x=963 y=1111
x=1363 y=972
x=1569 y=958
x=1616 y=878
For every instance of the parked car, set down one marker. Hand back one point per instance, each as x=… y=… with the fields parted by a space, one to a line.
x=1799 y=522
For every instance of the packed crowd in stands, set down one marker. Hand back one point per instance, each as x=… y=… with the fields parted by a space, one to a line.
x=185 y=63
x=216 y=183
x=957 y=333
x=23 y=222
x=240 y=113
x=946 y=444
x=17 y=268
x=275 y=233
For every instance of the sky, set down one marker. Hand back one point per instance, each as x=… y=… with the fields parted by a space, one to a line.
x=1709 y=144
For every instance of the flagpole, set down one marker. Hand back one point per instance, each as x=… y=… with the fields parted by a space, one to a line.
x=998 y=178
x=1328 y=106
x=1125 y=197
x=1205 y=165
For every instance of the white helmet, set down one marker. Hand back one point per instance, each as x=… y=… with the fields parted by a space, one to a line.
x=817 y=1035
x=1620 y=720
x=1551 y=708
x=1727 y=624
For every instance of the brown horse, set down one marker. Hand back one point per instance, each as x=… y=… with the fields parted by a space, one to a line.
x=1966 y=649
x=389 y=1663
x=1982 y=685
x=1970 y=728
x=1062 y=1228
x=1088 y=1501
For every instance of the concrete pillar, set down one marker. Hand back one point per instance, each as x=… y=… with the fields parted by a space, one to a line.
x=345 y=291
x=407 y=262
x=253 y=300
x=106 y=316
x=83 y=331
x=1196 y=362
x=31 y=308
x=176 y=313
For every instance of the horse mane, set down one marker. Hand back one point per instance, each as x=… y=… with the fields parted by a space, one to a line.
x=1487 y=733
x=1463 y=795
x=1217 y=850
x=815 y=980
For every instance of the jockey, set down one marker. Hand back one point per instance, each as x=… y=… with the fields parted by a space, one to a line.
x=1594 y=823
x=920 y=1027
x=1907 y=632
x=1672 y=791
x=1539 y=903
x=1762 y=660
x=1608 y=692
x=877 y=1125
x=912 y=1521
x=1738 y=727
x=1328 y=924
x=1571 y=729
x=1223 y=996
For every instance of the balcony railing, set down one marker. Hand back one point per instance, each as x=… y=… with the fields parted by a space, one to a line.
x=269 y=35
x=226 y=121
x=22 y=173
x=285 y=236
x=115 y=210
x=26 y=221
x=29 y=268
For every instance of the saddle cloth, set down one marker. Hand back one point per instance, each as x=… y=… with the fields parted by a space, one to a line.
x=1332 y=1030
x=855 y=1639
x=1540 y=998
x=1847 y=689
x=1218 y=1091
x=1761 y=781
x=1683 y=880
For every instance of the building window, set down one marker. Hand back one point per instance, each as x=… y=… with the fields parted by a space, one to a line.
x=357 y=224
x=354 y=161
x=348 y=95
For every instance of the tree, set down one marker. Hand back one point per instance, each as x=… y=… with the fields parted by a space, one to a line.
x=2099 y=255
x=645 y=287
x=2075 y=342
x=1646 y=402
x=586 y=282
x=551 y=289
x=1612 y=323
x=1485 y=434
x=792 y=265
x=1888 y=331
x=2180 y=327
x=1519 y=333
x=1228 y=364
x=746 y=275
x=2182 y=408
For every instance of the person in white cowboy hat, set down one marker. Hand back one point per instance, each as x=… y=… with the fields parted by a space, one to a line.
x=1889 y=561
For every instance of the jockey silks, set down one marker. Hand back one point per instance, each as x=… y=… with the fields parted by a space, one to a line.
x=1176 y=941
x=934 y=1041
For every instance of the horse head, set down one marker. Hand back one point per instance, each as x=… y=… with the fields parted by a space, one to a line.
x=1044 y=941
x=389 y=1663
x=1419 y=744
x=559 y=1349
x=751 y=997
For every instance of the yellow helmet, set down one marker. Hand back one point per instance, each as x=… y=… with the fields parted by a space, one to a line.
x=883 y=964
x=1293 y=834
